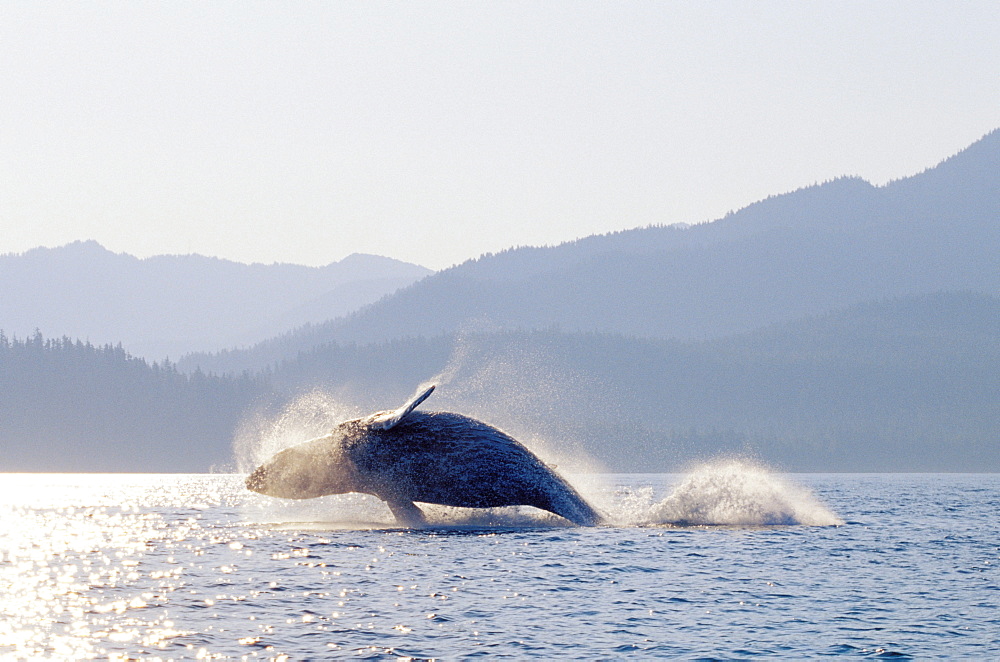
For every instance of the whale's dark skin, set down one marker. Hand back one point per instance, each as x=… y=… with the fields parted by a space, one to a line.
x=429 y=457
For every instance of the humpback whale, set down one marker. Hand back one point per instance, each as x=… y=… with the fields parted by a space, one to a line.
x=405 y=456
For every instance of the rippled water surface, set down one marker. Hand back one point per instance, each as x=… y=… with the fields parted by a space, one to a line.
x=181 y=567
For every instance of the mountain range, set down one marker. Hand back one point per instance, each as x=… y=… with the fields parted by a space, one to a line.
x=802 y=253
x=169 y=305
x=840 y=327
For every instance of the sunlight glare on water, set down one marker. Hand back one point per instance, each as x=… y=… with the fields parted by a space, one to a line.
x=181 y=567
x=69 y=550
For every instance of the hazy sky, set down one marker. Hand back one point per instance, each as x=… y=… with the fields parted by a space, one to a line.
x=433 y=132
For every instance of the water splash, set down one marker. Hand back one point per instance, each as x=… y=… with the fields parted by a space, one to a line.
x=740 y=493
x=519 y=390
x=733 y=492
x=361 y=512
x=724 y=492
x=625 y=506
x=516 y=389
x=460 y=352
x=307 y=417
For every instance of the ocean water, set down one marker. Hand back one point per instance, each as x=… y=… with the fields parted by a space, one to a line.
x=729 y=561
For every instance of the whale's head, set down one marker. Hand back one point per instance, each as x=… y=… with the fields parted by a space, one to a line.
x=326 y=465
x=313 y=469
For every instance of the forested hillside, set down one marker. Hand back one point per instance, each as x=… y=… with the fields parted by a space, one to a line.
x=909 y=384
x=901 y=385
x=71 y=406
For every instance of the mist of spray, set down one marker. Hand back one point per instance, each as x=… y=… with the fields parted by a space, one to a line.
x=307 y=417
x=514 y=390
x=518 y=390
x=739 y=492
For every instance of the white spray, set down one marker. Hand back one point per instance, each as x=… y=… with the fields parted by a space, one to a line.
x=725 y=492
x=722 y=492
x=307 y=417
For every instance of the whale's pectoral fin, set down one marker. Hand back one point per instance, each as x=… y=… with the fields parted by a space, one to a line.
x=388 y=419
x=406 y=512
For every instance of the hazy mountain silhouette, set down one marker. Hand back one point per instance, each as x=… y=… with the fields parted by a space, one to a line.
x=801 y=253
x=169 y=304
x=645 y=349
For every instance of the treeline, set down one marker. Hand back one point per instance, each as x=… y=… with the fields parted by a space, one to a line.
x=68 y=405
x=901 y=385
x=909 y=384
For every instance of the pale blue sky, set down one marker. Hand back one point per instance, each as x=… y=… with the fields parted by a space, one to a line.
x=433 y=132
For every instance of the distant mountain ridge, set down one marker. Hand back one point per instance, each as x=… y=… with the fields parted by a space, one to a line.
x=168 y=305
x=802 y=253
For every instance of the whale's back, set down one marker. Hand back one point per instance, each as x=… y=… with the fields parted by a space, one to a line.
x=454 y=460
